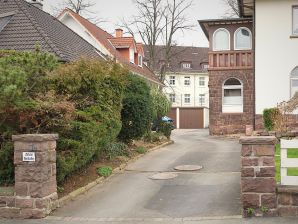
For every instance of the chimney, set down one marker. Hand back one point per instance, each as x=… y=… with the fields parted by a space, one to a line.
x=37 y=3
x=119 y=33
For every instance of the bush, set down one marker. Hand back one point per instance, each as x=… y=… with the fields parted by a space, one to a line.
x=270 y=117
x=104 y=171
x=112 y=150
x=141 y=150
x=136 y=114
x=81 y=101
x=165 y=128
x=160 y=104
x=152 y=137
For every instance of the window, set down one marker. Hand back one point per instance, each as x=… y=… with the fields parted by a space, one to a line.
x=131 y=56
x=172 y=97
x=221 y=40
x=172 y=80
x=243 y=39
x=202 y=81
x=295 y=20
x=205 y=67
x=140 y=60
x=294 y=81
x=187 y=81
x=202 y=99
x=186 y=98
x=232 y=96
x=186 y=65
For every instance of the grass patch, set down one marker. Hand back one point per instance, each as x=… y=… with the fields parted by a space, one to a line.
x=141 y=150
x=104 y=171
x=292 y=153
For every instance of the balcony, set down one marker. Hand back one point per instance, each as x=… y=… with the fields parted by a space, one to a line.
x=229 y=60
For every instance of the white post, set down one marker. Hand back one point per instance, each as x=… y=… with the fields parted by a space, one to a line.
x=178 y=118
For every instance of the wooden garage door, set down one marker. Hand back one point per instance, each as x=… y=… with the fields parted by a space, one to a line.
x=191 y=118
x=172 y=114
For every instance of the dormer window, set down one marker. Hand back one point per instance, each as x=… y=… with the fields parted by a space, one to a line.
x=221 y=40
x=205 y=66
x=186 y=65
x=140 y=61
x=131 y=56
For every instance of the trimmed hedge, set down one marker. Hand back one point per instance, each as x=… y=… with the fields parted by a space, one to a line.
x=269 y=117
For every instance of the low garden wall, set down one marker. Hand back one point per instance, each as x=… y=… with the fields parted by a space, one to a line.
x=35 y=190
x=260 y=194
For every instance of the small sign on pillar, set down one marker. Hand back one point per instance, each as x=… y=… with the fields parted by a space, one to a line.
x=28 y=156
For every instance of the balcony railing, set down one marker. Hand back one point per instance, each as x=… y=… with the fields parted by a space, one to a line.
x=221 y=60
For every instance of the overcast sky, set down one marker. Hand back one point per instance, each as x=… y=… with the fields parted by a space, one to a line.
x=114 y=10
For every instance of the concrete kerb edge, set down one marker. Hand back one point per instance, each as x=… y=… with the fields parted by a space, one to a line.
x=73 y=195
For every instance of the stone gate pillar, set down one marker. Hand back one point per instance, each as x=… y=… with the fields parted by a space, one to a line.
x=35 y=174
x=258 y=184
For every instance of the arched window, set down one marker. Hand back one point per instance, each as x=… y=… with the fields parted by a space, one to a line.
x=243 y=39
x=232 y=96
x=221 y=40
x=294 y=81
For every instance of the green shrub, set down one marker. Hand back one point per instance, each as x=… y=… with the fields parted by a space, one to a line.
x=112 y=150
x=160 y=104
x=269 y=117
x=104 y=171
x=152 y=137
x=141 y=150
x=136 y=114
x=165 y=128
x=6 y=163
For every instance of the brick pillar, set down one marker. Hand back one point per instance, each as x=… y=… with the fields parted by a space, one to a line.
x=35 y=181
x=258 y=185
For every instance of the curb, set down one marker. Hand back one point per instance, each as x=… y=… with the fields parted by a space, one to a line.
x=73 y=195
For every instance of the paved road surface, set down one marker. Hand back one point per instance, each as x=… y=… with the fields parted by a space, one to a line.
x=208 y=196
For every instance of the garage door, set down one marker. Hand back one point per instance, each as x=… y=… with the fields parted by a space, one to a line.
x=172 y=114
x=191 y=118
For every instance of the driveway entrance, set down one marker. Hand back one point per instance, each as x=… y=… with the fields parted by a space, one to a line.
x=213 y=191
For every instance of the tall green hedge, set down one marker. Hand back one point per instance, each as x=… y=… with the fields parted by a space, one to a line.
x=137 y=109
x=81 y=101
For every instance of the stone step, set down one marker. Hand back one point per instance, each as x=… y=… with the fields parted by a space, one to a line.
x=7 y=191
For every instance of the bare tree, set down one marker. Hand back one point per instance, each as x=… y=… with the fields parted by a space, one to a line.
x=158 y=21
x=233 y=8
x=82 y=7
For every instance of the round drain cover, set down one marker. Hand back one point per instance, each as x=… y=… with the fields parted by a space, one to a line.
x=163 y=176
x=188 y=168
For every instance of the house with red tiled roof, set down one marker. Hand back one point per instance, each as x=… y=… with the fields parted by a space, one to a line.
x=124 y=50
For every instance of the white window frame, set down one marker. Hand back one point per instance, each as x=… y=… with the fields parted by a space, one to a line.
x=202 y=99
x=235 y=39
x=213 y=40
x=232 y=108
x=295 y=7
x=186 y=65
x=187 y=80
x=202 y=80
x=131 y=56
x=293 y=77
x=187 y=98
x=140 y=60
x=172 y=80
x=172 y=97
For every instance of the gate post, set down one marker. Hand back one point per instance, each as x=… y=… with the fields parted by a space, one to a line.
x=258 y=184
x=35 y=174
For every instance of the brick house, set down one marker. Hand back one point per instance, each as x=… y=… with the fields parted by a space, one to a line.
x=249 y=50
x=124 y=50
x=186 y=84
x=231 y=74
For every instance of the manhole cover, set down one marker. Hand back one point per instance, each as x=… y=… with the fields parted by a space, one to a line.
x=163 y=176
x=188 y=168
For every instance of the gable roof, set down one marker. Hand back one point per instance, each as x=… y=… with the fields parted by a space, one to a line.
x=30 y=26
x=196 y=56
x=123 y=42
x=105 y=38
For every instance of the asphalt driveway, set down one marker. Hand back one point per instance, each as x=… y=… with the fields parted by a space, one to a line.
x=208 y=196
